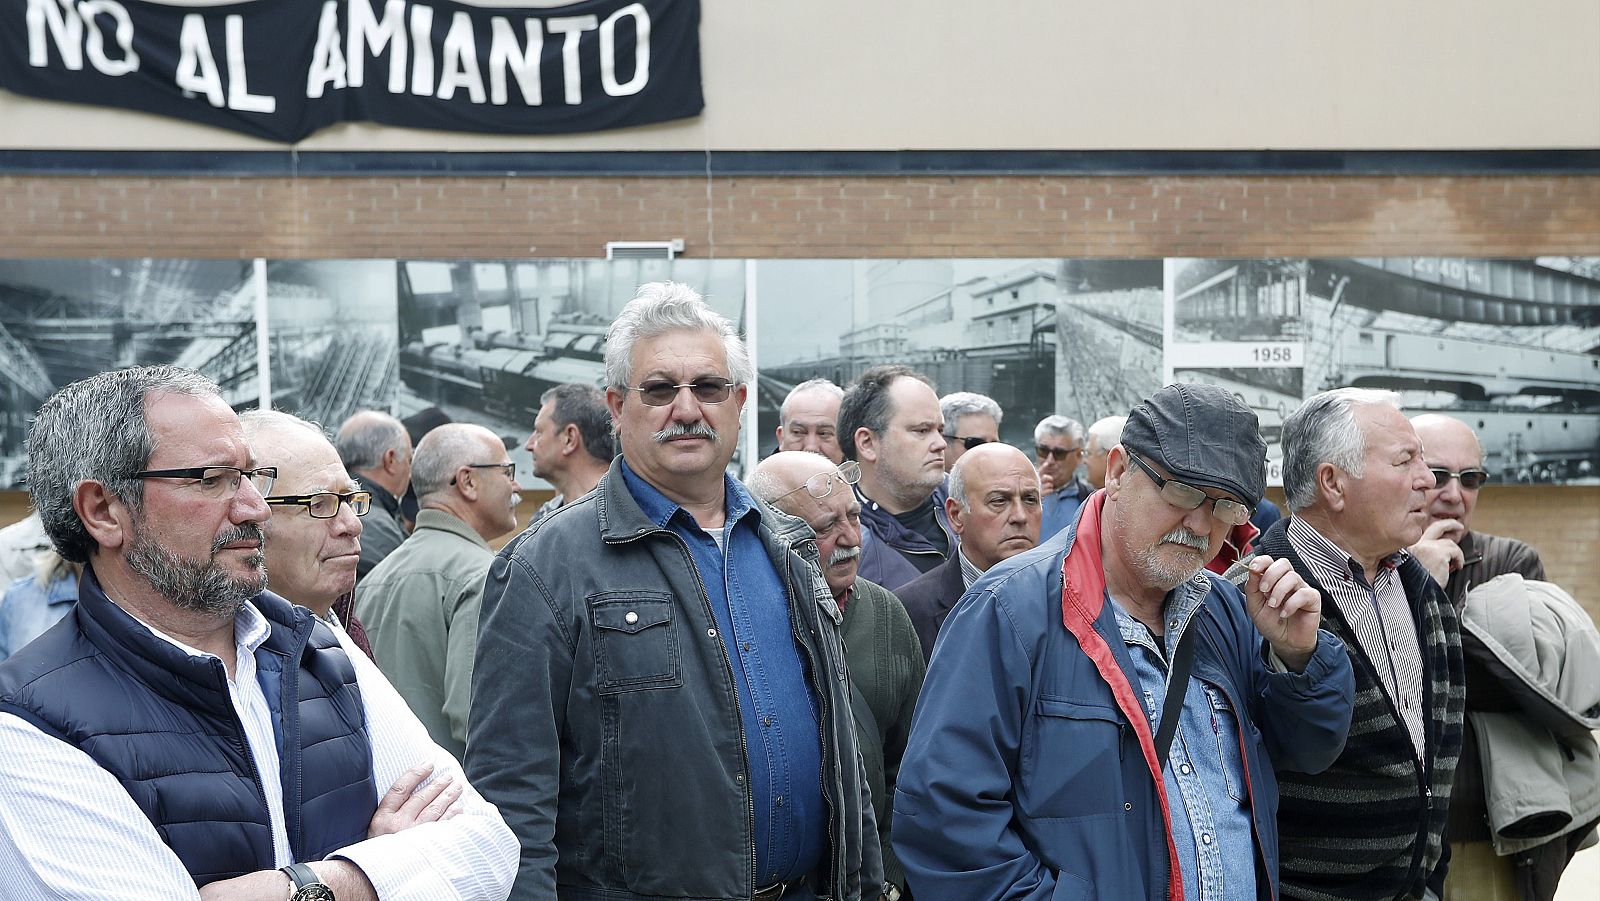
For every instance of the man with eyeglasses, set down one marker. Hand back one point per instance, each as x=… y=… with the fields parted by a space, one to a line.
x=184 y=733
x=1101 y=715
x=881 y=647
x=1372 y=826
x=659 y=704
x=1058 y=442
x=421 y=604
x=970 y=420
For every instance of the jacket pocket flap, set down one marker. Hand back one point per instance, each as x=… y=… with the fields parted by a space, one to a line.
x=1046 y=705
x=631 y=614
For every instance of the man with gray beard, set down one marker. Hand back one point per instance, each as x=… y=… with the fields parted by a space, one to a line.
x=184 y=733
x=1046 y=760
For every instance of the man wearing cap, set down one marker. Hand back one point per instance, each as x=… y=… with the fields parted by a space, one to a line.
x=1037 y=768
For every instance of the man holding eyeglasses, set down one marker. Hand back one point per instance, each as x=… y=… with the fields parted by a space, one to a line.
x=185 y=734
x=660 y=705
x=1372 y=826
x=421 y=603
x=1101 y=716
x=1058 y=442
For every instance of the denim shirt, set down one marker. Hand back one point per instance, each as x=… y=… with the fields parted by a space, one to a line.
x=1205 y=772
x=29 y=608
x=782 y=732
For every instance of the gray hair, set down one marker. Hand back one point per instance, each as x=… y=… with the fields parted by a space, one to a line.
x=957 y=404
x=95 y=430
x=1107 y=432
x=866 y=404
x=661 y=307
x=254 y=421
x=1059 y=425
x=766 y=486
x=1324 y=430
x=585 y=407
x=444 y=450
x=958 y=480
x=818 y=384
x=366 y=436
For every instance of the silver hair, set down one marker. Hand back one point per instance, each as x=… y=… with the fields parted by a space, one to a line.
x=363 y=441
x=957 y=404
x=958 y=480
x=254 y=421
x=818 y=384
x=1107 y=432
x=766 y=486
x=1324 y=430
x=661 y=307
x=444 y=450
x=1059 y=425
x=95 y=430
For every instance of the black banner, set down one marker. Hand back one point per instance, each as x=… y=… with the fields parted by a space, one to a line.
x=281 y=69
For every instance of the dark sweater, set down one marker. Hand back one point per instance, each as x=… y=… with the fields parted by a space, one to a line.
x=1372 y=825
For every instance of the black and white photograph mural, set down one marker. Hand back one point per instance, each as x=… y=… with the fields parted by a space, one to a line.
x=987 y=326
x=1109 y=336
x=64 y=320
x=332 y=337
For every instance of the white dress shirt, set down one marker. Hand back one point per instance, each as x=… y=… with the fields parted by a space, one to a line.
x=68 y=829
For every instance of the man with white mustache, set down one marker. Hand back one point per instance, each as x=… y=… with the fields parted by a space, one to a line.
x=881 y=647
x=1099 y=711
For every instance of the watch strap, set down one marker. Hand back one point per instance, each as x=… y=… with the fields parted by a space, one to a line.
x=300 y=874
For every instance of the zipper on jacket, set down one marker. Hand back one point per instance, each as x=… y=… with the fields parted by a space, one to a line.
x=249 y=759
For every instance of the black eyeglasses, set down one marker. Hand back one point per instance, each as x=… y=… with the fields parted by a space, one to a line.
x=217 y=481
x=969 y=442
x=821 y=485
x=660 y=392
x=1188 y=497
x=510 y=467
x=325 y=504
x=1059 y=453
x=1471 y=479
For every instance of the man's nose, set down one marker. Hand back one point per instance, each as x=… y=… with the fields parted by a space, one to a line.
x=248 y=504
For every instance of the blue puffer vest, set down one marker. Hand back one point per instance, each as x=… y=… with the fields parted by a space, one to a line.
x=146 y=711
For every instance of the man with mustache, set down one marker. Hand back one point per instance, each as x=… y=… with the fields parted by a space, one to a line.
x=881 y=648
x=1101 y=714
x=659 y=702
x=1372 y=825
x=421 y=603
x=185 y=734
x=994 y=506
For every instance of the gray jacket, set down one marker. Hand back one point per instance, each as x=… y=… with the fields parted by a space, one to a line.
x=604 y=712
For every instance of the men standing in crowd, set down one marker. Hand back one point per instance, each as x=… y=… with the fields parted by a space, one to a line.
x=376 y=450
x=1372 y=826
x=571 y=442
x=994 y=506
x=659 y=705
x=881 y=648
x=313 y=540
x=969 y=420
x=420 y=605
x=1062 y=749
x=184 y=733
x=1059 y=443
x=1461 y=559
x=1103 y=436
x=889 y=422
x=808 y=420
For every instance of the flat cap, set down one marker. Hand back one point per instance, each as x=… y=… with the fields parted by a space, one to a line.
x=1202 y=435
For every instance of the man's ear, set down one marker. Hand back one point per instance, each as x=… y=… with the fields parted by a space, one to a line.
x=866 y=445
x=571 y=439
x=467 y=483
x=391 y=461
x=106 y=518
x=1116 y=468
x=952 y=509
x=1330 y=486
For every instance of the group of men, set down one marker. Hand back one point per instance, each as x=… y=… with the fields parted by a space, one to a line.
x=900 y=659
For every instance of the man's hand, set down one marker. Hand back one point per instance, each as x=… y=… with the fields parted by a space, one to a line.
x=1047 y=484
x=1438 y=551
x=1284 y=608
x=405 y=805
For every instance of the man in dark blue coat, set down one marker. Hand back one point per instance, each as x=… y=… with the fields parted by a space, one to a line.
x=1036 y=767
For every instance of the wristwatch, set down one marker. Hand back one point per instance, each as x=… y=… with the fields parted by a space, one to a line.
x=304 y=884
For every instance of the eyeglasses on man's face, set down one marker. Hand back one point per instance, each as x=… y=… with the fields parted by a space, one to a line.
x=325 y=504
x=822 y=484
x=1188 y=497
x=1059 y=454
x=661 y=392
x=968 y=441
x=509 y=467
x=1471 y=479
x=217 y=481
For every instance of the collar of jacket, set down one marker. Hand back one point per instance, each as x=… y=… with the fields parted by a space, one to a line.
x=444 y=521
x=380 y=494
x=197 y=682
x=1083 y=599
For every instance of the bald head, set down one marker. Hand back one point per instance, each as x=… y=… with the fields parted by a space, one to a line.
x=376 y=445
x=782 y=481
x=995 y=503
x=784 y=471
x=464 y=470
x=1450 y=444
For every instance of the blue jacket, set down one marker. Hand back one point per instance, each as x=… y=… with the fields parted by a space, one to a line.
x=1030 y=772
x=886 y=545
x=29 y=608
x=162 y=722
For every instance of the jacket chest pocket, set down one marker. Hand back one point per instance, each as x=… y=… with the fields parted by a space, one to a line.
x=1071 y=763
x=635 y=641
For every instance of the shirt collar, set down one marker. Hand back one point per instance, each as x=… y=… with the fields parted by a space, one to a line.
x=1322 y=554
x=250 y=631
x=659 y=509
x=969 y=570
x=1182 y=603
